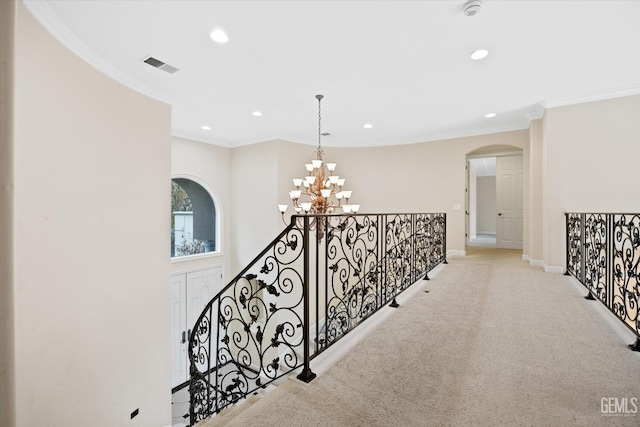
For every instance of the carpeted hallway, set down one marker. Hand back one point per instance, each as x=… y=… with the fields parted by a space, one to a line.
x=493 y=342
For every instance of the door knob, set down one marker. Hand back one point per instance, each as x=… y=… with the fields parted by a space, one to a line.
x=500 y=214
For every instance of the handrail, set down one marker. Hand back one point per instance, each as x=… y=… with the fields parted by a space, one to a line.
x=603 y=254
x=331 y=270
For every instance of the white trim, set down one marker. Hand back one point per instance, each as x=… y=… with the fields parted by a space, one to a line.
x=502 y=153
x=533 y=262
x=552 y=269
x=203 y=255
x=328 y=358
x=43 y=13
x=600 y=95
x=455 y=252
x=191 y=136
x=609 y=318
x=219 y=215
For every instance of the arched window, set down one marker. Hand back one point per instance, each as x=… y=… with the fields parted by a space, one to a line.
x=193 y=219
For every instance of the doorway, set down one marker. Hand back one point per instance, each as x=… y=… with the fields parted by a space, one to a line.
x=495 y=209
x=481 y=209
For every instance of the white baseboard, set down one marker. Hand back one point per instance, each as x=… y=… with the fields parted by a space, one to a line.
x=609 y=318
x=552 y=269
x=327 y=359
x=455 y=252
x=540 y=263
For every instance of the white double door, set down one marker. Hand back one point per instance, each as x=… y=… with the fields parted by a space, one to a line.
x=190 y=293
x=510 y=202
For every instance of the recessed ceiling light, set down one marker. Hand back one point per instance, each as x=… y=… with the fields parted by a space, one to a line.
x=368 y=126
x=488 y=116
x=479 y=54
x=205 y=127
x=219 y=36
x=257 y=113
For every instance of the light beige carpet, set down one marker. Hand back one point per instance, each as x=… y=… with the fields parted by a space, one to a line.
x=494 y=342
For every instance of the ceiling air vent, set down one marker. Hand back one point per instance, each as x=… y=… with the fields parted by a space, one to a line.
x=159 y=64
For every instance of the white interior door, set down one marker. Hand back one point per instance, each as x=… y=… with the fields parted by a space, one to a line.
x=510 y=202
x=201 y=287
x=473 y=201
x=178 y=329
x=190 y=293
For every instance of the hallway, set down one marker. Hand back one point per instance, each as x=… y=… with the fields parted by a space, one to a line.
x=493 y=342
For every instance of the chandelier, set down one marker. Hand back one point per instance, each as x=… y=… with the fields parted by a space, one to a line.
x=321 y=190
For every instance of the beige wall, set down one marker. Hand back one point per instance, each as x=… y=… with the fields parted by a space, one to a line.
x=535 y=205
x=7 y=361
x=210 y=166
x=92 y=171
x=425 y=177
x=256 y=220
x=591 y=164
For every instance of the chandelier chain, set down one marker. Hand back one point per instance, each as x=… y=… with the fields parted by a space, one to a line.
x=319 y=98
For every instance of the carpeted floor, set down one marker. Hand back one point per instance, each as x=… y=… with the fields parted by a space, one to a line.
x=493 y=342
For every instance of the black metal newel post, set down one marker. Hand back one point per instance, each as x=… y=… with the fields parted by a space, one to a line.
x=444 y=240
x=566 y=243
x=583 y=255
x=306 y=375
x=427 y=227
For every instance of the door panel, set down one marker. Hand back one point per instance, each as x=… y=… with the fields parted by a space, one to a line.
x=190 y=293
x=510 y=202
x=178 y=328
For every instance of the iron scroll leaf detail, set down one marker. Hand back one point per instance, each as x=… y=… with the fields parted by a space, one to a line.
x=626 y=270
x=574 y=245
x=252 y=333
x=595 y=251
x=352 y=251
x=233 y=359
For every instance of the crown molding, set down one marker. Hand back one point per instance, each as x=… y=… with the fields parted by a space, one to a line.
x=600 y=95
x=42 y=12
x=199 y=138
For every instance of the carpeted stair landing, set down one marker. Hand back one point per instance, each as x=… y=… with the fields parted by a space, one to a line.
x=493 y=342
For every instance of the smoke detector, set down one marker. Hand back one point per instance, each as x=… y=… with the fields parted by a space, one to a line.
x=472 y=7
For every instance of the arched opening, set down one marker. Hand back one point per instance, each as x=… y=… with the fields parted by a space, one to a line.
x=193 y=219
x=495 y=197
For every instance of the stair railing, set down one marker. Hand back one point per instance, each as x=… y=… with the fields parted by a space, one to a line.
x=603 y=254
x=320 y=278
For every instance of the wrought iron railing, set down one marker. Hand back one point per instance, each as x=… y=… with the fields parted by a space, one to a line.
x=319 y=279
x=603 y=253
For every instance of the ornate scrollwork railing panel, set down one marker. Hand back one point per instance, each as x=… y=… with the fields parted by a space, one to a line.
x=574 y=245
x=257 y=328
x=324 y=272
x=626 y=269
x=439 y=252
x=423 y=245
x=397 y=269
x=595 y=253
x=603 y=253
x=352 y=294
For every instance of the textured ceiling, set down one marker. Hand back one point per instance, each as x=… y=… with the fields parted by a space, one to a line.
x=402 y=66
